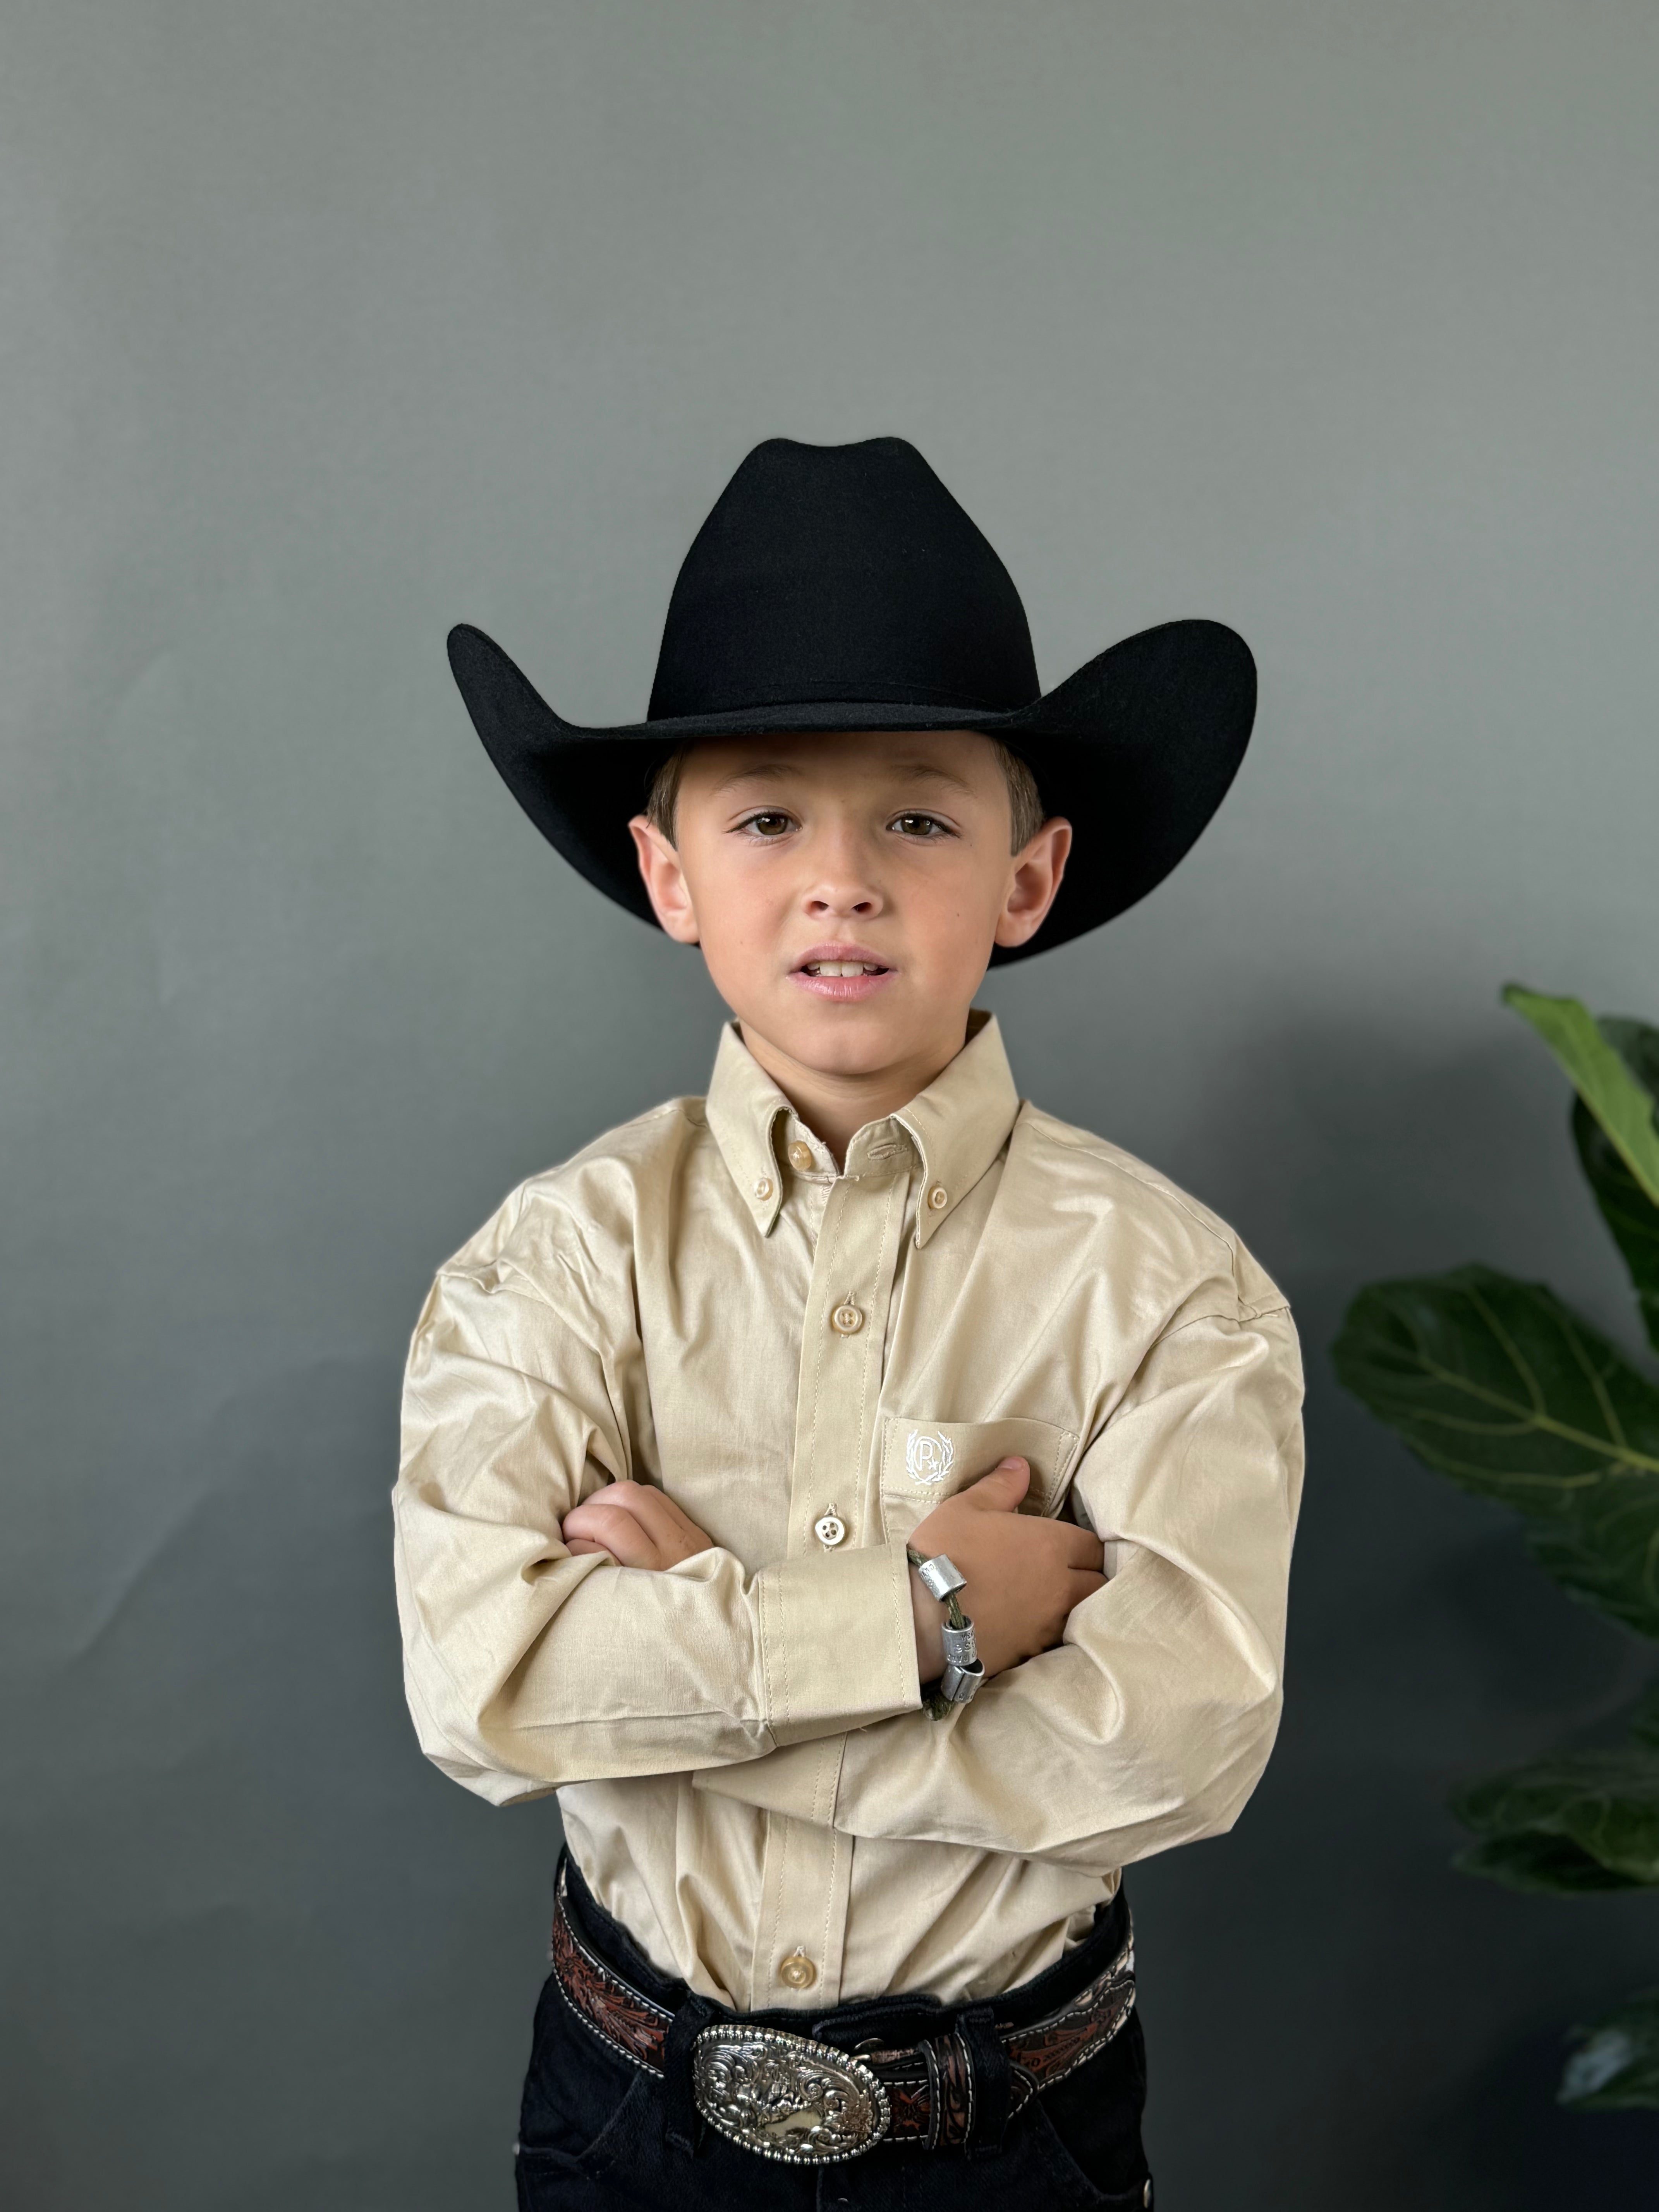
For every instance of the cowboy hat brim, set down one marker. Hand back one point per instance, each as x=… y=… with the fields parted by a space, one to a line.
x=1137 y=749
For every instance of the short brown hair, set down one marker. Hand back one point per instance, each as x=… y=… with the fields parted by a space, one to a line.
x=1025 y=808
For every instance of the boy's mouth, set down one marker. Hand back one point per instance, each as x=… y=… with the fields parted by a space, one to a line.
x=840 y=972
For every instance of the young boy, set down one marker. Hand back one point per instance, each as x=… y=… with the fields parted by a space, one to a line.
x=865 y=1500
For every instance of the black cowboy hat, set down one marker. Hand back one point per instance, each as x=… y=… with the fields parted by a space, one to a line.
x=841 y=588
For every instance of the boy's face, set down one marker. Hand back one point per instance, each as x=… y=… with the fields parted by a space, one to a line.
x=847 y=890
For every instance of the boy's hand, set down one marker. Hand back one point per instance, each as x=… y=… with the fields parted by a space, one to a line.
x=634 y=1525
x=1025 y=1574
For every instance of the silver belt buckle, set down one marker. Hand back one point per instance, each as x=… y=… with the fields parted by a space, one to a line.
x=786 y=2096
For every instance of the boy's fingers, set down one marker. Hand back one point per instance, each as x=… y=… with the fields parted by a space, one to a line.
x=1082 y=1550
x=673 y=1531
x=655 y=1512
x=582 y=1548
x=626 y=1497
x=1084 y=1584
x=680 y=1518
x=612 y=1529
x=1002 y=1490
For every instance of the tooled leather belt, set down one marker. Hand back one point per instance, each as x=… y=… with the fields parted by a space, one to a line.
x=793 y=2098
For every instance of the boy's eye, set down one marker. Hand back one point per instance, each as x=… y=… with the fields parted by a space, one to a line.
x=769 y=824
x=919 y=825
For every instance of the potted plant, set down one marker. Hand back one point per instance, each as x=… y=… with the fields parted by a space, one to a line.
x=1499 y=1385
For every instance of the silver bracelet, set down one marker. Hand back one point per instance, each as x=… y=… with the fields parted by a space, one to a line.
x=965 y=1671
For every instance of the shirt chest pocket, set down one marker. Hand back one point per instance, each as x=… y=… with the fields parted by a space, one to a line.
x=922 y=1461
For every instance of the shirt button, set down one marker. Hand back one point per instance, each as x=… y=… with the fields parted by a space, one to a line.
x=763 y=1187
x=801 y=1158
x=830 y=1529
x=938 y=1197
x=796 y=1972
x=847 y=1321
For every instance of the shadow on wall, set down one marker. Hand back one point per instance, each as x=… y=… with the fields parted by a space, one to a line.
x=275 y=1958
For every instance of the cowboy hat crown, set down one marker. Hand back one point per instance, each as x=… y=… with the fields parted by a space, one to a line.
x=843 y=572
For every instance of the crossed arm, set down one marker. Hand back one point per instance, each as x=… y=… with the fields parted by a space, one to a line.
x=1123 y=1717
x=1128 y=1716
x=1025 y=1574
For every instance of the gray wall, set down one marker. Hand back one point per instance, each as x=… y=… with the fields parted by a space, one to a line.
x=326 y=326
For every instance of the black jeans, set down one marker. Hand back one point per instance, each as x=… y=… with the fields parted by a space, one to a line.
x=594 y=2129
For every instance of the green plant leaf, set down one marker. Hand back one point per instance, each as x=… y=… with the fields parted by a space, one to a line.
x=1499 y=1385
x=1616 y=2065
x=1541 y=1863
x=1601 y=1075
x=1605 y=1803
x=1636 y=1044
x=1628 y=1211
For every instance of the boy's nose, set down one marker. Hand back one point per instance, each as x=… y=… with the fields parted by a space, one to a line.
x=832 y=899
x=844 y=888
x=842 y=881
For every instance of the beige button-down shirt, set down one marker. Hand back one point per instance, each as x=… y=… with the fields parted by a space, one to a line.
x=746 y=1778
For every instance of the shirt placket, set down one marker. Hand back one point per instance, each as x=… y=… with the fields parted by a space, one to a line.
x=806 y=1864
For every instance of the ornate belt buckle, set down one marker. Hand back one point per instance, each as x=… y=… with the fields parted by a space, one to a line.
x=786 y=2096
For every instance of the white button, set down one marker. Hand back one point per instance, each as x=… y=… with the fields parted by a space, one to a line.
x=801 y=1158
x=830 y=1529
x=763 y=1187
x=796 y=1972
x=847 y=1321
x=938 y=1197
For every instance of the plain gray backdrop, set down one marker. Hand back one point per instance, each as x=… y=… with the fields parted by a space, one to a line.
x=328 y=323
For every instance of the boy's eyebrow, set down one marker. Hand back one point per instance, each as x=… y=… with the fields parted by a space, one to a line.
x=746 y=772
x=933 y=773
x=929 y=771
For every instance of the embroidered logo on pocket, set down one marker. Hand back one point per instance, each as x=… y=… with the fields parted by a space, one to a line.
x=927 y=1456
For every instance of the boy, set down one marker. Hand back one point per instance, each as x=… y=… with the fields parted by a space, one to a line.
x=865 y=1500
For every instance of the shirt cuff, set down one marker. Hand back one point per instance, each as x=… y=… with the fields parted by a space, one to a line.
x=837 y=1641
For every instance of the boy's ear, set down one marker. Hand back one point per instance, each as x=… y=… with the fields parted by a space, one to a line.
x=1036 y=876
x=665 y=881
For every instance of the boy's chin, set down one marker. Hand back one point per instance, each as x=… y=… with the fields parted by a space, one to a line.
x=849 y=1041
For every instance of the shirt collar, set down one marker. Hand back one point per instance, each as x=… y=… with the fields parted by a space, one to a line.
x=958 y=1125
x=745 y=1106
